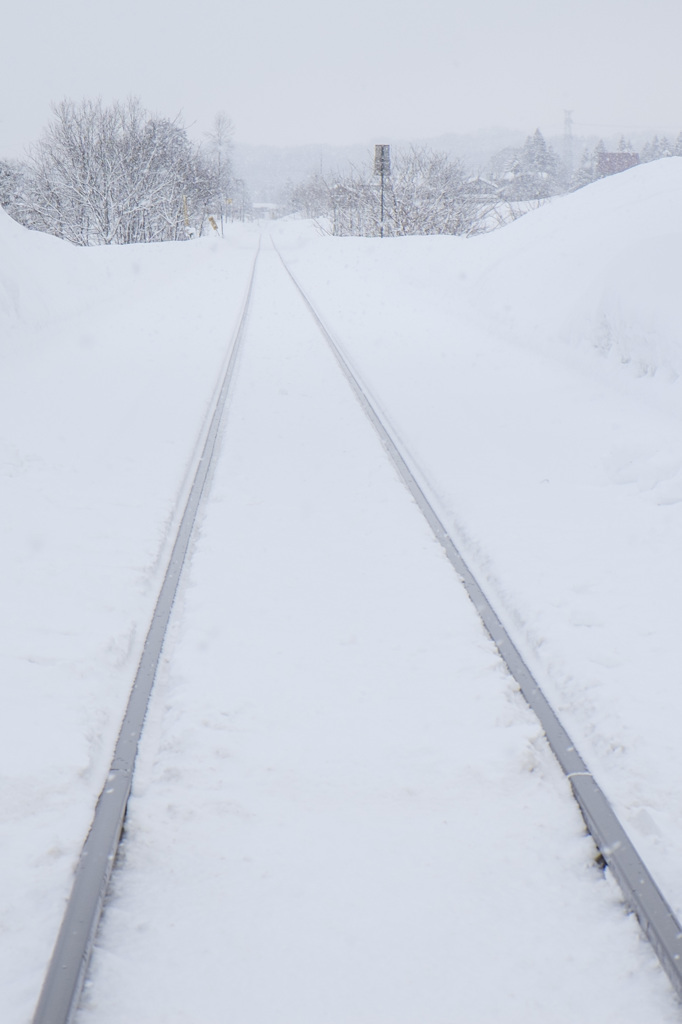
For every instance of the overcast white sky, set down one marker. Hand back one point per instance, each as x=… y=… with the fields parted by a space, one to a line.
x=359 y=71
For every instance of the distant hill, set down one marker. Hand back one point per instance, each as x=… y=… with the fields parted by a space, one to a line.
x=266 y=169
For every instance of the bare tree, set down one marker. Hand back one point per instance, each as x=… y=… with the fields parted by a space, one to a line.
x=220 y=151
x=101 y=175
x=12 y=179
x=426 y=194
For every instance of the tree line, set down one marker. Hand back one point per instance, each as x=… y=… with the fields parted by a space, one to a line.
x=101 y=175
x=429 y=193
x=425 y=194
x=116 y=174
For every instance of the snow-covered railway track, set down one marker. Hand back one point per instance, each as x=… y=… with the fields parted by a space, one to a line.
x=639 y=889
x=66 y=972
x=371 y=754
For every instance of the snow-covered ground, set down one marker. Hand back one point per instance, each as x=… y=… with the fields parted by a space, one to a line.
x=110 y=358
x=354 y=808
x=534 y=375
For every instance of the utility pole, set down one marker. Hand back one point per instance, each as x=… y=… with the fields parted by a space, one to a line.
x=382 y=167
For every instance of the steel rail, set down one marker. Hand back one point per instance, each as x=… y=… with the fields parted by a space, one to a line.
x=67 y=969
x=640 y=892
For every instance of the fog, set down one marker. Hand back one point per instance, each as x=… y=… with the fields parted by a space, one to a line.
x=361 y=71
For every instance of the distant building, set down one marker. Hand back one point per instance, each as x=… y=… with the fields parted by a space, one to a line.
x=482 y=189
x=613 y=163
x=265 y=211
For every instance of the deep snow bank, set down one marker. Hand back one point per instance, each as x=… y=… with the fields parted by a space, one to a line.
x=41 y=277
x=598 y=269
x=45 y=281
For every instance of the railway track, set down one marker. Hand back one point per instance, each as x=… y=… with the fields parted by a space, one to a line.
x=66 y=974
x=639 y=889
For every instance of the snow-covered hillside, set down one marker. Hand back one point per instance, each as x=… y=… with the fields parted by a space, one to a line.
x=533 y=376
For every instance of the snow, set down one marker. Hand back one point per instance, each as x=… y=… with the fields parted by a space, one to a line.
x=556 y=460
x=343 y=810
x=90 y=483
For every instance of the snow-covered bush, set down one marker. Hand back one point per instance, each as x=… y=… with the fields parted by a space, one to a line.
x=425 y=194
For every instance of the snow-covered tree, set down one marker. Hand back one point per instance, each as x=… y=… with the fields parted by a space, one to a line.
x=587 y=171
x=116 y=174
x=657 y=149
x=240 y=204
x=220 y=153
x=310 y=197
x=532 y=171
x=426 y=193
x=12 y=176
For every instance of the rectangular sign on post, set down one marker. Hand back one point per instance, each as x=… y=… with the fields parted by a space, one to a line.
x=382 y=160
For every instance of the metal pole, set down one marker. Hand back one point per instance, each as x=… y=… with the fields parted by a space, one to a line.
x=382 y=167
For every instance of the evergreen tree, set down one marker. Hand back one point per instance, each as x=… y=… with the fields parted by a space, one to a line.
x=533 y=171
x=588 y=170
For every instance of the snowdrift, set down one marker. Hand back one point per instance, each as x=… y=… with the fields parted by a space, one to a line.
x=37 y=275
x=45 y=281
x=598 y=269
